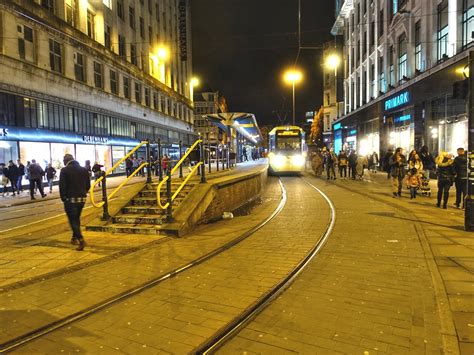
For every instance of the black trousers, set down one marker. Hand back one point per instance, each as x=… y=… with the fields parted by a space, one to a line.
x=443 y=191
x=343 y=170
x=461 y=190
x=39 y=184
x=73 y=212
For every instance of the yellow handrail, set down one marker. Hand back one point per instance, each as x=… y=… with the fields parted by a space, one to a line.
x=91 y=190
x=158 y=188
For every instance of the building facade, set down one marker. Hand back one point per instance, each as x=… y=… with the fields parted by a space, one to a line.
x=402 y=59
x=93 y=78
x=208 y=103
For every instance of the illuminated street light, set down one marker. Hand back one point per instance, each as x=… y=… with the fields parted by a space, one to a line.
x=195 y=82
x=333 y=61
x=162 y=53
x=293 y=77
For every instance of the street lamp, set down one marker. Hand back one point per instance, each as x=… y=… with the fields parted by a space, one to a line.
x=194 y=82
x=332 y=62
x=293 y=77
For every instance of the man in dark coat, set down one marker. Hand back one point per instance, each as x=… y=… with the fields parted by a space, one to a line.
x=352 y=164
x=397 y=164
x=74 y=183
x=12 y=174
x=460 y=168
x=19 y=183
x=445 y=172
x=36 y=174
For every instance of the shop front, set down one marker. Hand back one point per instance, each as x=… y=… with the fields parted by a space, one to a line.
x=50 y=147
x=398 y=123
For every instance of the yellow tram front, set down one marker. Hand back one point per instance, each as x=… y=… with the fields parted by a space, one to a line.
x=287 y=149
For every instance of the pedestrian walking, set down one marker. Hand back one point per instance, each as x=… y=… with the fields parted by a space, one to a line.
x=460 y=169
x=445 y=172
x=12 y=173
x=342 y=164
x=22 y=171
x=135 y=164
x=317 y=163
x=50 y=175
x=386 y=162
x=165 y=164
x=373 y=162
x=413 y=182
x=128 y=166
x=3 y=179
x=142 y=170
x=88 y=167
x=244 y=154
x=416 y=163
x=97 y=171
x=397 y=171
x=330 y=162
x=428 y=161
x=36 y=174
x=361 y=164
x=352 y=164
x=74 y=183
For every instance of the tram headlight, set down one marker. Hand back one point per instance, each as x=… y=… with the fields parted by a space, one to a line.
x=278 y=161
x=297 y=160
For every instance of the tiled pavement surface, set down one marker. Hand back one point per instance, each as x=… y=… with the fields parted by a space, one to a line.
x=178 y=314
x=375 y=287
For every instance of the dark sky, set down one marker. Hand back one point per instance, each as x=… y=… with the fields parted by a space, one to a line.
x=242 y=47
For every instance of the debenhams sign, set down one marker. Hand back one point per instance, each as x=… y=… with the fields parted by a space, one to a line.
x=397 y=101
x=94 y=139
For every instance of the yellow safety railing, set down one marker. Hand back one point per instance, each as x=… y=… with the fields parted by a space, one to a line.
x=176 y=167
x=108 y=172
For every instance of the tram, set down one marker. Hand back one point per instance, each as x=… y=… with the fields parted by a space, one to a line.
x=287 y=149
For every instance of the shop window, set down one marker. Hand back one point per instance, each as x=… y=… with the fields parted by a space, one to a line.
x=79 y=68
x=37 y=151
x=126 y=87
x=402 y=57
x=113 y=82
x=468 y=22
x=8 y=151
x=26 y=48
x=131 y=17
x=138 y=92
x=443 y=29
x=418 y=54
x=90 y=24
x=55 y=56
x=120 y=12
x=71 y=12
x=98 y=83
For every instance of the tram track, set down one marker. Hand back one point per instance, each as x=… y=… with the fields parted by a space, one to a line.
x=18 y=342
x=231 y=329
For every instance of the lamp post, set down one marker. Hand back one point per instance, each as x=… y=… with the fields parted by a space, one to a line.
x=193 y=84
x=332 y=62
x=469 y=202
x=293 y=77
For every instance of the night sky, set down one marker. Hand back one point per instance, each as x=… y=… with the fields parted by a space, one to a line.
x=242 y=47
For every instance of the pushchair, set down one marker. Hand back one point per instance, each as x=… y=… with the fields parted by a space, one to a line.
x=425 y=189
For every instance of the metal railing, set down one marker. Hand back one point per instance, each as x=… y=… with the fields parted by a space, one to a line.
x=103 y=179
x=170 y=172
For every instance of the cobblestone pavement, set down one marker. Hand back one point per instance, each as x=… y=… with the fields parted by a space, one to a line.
x=180 y=313
x=375 y=287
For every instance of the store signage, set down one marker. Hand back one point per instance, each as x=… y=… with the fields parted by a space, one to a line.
x=397 y=101
x=402 y=118
x=3 y=132
x=95 y=139
x=353 y=132
x=183 y=31
x=337 y=126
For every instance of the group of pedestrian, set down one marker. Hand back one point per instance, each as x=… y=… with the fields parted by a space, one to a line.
x=417 y=168
x=345 y=164
x=13 y=174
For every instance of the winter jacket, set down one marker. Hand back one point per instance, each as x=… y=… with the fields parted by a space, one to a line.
x=13 y=173
x=397 y=167
x=73 y=181
x=445 y=169
x=352 y=159
x=50 y=173
x=342 y=158
x=460 y=167
x=417 y=164
x=427 y=160
x=21 y=168
x=36 y=172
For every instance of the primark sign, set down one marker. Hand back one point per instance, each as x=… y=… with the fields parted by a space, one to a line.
x=397 y=101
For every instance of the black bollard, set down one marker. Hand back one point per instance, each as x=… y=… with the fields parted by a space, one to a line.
x=105 y=207
x=180 y=156
x=148 y=169
x=160 y=168
x=169 y=209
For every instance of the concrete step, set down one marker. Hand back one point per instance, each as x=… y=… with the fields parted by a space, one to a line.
x=151 y=201
x=152 y=193
x=126 y=228
x=155 y=210
x=138 y=219
x=174 y=184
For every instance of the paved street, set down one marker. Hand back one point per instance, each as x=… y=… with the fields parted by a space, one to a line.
x=394 y=277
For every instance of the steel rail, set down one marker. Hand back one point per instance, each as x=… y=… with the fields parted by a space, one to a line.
x=231 y=329
x=17 y=342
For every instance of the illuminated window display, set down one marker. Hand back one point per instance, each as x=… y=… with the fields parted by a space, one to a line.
x=452 y=136
x=58 y=150
x=85 y=152
x=8 y=151
x=35 y=150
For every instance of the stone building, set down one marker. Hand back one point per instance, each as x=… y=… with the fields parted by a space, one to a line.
x=93 y=77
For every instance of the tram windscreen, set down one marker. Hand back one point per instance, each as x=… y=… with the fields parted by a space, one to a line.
x=289 y=141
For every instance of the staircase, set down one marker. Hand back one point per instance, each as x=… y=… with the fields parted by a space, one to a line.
x=142 y=215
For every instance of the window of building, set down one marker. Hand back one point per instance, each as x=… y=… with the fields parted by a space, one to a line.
x=126 y=87
x=381 y=23
x=98 y=83
x=150 y=7
x=418 y=54
x=113 y=82
x=120 y=12
x=131 y=17
x=26 y=48
x=394 y=5
x=107 y=40
x=328 y=99
x=55 y=56
x=156 y=101
x=133 y=54
x=107 y=3
x=358 y=13
x=402 y=57
x=150 y=35
x=79 y=68
x=122 y=48
x=372 y=82
x=138 y=92
x=157 y=12
x=90 y=24
x=147 y=97
x=372 y=35
x=382 y=82
x=142 y=27
x=48 y=5
x=71 y=12
x=443 y=29
x=391 y=66
x=468 y=22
